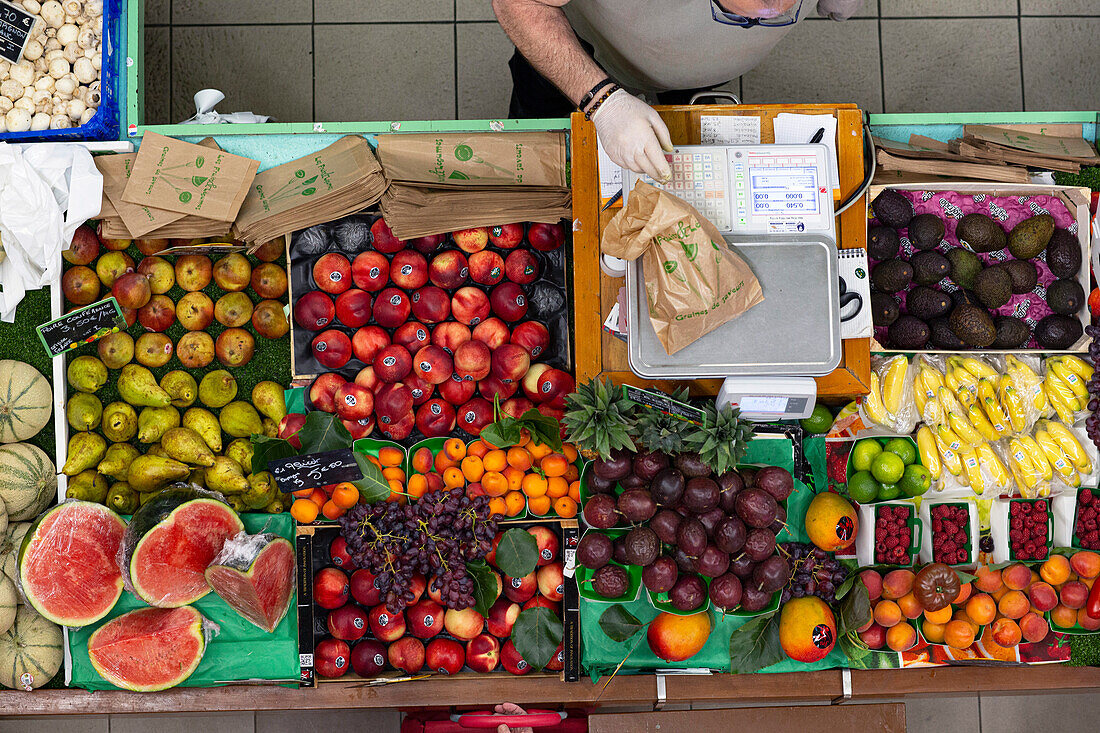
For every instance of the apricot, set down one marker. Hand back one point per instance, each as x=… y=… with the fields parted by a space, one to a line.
x=873 y=581
x=897 y=583
x=939 y=617
x=1085 y=563
x=874 y=636
x=901 y=637
x=1063 y=616
x=1016 y=577
x=999 y=593
x=933 y=632
x=1074 y=594
x=1043 y=597
x=960 y=615
x=1006 y=632
x=887 y=614
x=964 y=593
x=958 y=634
x=676 y=638
x=422 y=460
x=1014 y=604
x=910 y=606
x=1055 y=570
x=1034 y=627
x=981 y=609
x=1087 y=622
x=987 y=581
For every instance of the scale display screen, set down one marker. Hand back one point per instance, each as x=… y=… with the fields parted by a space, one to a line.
x=783 y=190
x=773 y=404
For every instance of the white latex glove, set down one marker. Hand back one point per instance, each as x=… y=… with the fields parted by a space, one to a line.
x=634 y=135
x=838 y=9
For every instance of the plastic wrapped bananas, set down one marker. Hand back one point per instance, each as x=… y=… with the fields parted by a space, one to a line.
x=1064 y=385
x=890 y=400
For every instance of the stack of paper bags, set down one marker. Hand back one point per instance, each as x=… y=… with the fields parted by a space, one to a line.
x=171 y=189
x=444 y=182
x=324 y=186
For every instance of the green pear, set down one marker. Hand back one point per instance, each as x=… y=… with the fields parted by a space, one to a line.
x=116 y=462
x=271 y=428
x=181 y=387
x=86 y=450
x=198 y=477
x=240 y=420
x=148 y=473
x=119 y=422
x=122 y=498
x=206 y=425
x=156 y=449
x=279 y=505
x=241 y=450
x=226 y=476
x=154 y=422
x=217 y=388
x=137 y=386
x=88 y=486
x=86 y=374
x=187 y=446
x=84 y=411
x=116 y=349
x=270 y=399
x=261 y=490
x=237 y=503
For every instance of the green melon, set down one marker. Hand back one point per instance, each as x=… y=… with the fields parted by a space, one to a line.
x=26 y=401
x=11 y=540
x=28 y=480
x=9 y=601
x=30 y=651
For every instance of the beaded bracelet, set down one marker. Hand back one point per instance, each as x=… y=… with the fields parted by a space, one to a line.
x=596 y=105
x=592 y=92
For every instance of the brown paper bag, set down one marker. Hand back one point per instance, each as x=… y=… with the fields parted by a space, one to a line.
x=138 y=219
x=512 y=158
x=694 y=282
x=189 y=179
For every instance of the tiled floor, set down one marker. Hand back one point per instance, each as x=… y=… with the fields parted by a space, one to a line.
x=339 y=60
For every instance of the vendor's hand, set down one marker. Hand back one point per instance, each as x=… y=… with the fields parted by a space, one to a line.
x=634 y=135
x=838 y=9
x=510 y=708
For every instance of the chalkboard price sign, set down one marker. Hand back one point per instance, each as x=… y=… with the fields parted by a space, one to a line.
x=314 y=470
x=82 y=326
x=16 y=25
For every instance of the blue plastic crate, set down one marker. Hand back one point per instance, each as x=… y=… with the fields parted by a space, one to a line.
x=105 y=124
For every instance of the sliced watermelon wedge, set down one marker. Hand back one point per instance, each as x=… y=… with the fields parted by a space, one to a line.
x=254 y=574
x=171 y=541
x=68 y=564
x=149 y=649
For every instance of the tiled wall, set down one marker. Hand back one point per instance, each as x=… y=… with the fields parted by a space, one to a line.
x=337 y=60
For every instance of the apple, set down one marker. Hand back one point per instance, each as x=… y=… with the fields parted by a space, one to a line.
x=384 y=241
x=368 y=658
x=512 y=661
x=158 y=314
x=353 y=402
x=449 y=269
x=161 y=274
x=384 y=625
x=370 y=271
x=114 y=244
x=111 y=266
x=80 y=285
x=407 y=654
x=482 y=653
x=521 y=267
x=409 y=270
x=271 y=250
x=235 y=347
x=348 y=623
x=425 y=618
x=193 y=272
x=546 y=237
x=83 y=248
x=532 y=336
x=269 y=281
x=268 y=318
x=331 y=348
x=314 y=310
x=289 y=427
x=232 y=272
x=332 y=658
x=322 y=393
x=353 y=307
x=233 y=310
x=506 y=236
x=330 y=588
x=368 y=341
x=445 y=656
x=463 y=624
x=363 y=589
x=471 y=240
x=502 y=616
x=150 y=247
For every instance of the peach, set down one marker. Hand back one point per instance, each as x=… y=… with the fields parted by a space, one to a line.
x=1043 y=597
x=1006 y=632
x=1014 y=604
x=510 y=363
x=269 y=281
x=289 y=427
x=384 y=241
x=386 y=626
x=353 y=402
x=1087 y=622
x=193 y=272
x=332 y=273
x=421 y=391
x=1085 y=563
x=425 y=618
x=331 y=658
x=516 y=406
x=449 y=335
x=463 y=624
x=161 y=274
x=392 y=363
x=1016 y=577
x=506 y=236
x=522 y=589
x=511 y=660
x=158 y=314
x=456 y=390
x=486 y=268
x=413 y=336
x=521 y=267
x=471 y=240
x=897 y=583
x=370 y=271
x=1074 y=594
x=359 y=428
x=531 y=382
x=409 y=270
x=964 y=592
x=80 y=285
x=1063 y=616
x=874 y=636
x=348 y=623
x=433 y=365
x=1055 y=569
x=472 y=360
x=981 y=608
x=422 y=460
x=988 y=580
x=367 y=378
x=233 y=310
x=901 y=637
x=314 y=310
x=474 y=415
x=449 y=269
x=933 y=632
x=431 y=304
x=1033 y=627
x=551 y=582
x=331 y=348
x=391 y=308
x=872 y=580
x=532 y=336
x=887 y=613
x=492 y=332
x=233 y=272
x=470 y=306
x=428 y=244
x=958 y=634
x=330 y=588
x=393 y=403
x=910 y=606
x=482 y=653
x=491 y=387
x=353 y=307
x=554 y=385
x=546 y=237
x=435 y=418
x=368 y=342
x=509 y=302
x=676 y=638
x=406 y=654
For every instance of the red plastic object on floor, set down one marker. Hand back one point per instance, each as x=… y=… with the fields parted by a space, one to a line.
x=544 y=721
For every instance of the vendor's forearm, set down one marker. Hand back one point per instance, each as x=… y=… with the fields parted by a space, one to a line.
x=542 y=34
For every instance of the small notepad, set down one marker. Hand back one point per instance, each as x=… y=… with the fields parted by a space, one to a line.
x=792 y=129
x=855 y=312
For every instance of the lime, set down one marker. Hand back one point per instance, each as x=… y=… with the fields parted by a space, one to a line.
x=862 y=487
x=819 y=421
x=915 y=481
x=888 y=492
x=904 y=448
x=864 y=452
x=887 y=467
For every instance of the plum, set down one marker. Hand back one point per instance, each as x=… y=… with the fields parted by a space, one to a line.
x=712 y=562
x=691 y=536
x=636 y=505
x=701 y=495
x=759 y=544
x=615 y=468
x=598 y=485
x=610 y=581
x=729 y=534
x=660 y=575
x=742 y=566
x=688 y=593
x=776 y=481
x=729 y=484
x=753 y=599
x=691 y=465
x=600 y=511
x=664 y=523
x=711 y=519
x=594 y=550
x=772 y=574
x=756 y=507
x=648 y=465
x=667 y=487
x=642 y=546
x=725 y=592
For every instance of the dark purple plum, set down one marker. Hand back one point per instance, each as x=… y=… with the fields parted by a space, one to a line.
x=759 y=544
x=618 y=551
x=725 y=592
x=600 y=511
x=748 y=477
x=688 y=593
x=776 y=481
x=730 y=534
x=772 y=574
x=664 y=523
x=728 y=484
x=594 y=550
x=667 y=487
x=597 y=485
x=701 y=495
x=642 y=546
x=780 y=520
x=712 y=562
x=691 y=465
x=648 y=465
x=691 y=536
x=742 y=566
x=711 y=519
x=634 y=482
x=610 y=581
x=754 y=599
x=660 y=575
x=683 y=561
x=636 y=505
x=756 y=507
x=616 y=467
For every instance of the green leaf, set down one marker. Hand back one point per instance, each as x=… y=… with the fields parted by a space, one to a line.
x=855 y=610
x=503 y=433
x=536 y=635
x=265 y=449
x=965 y=577
x=517 y=553
x=846 y=586
x=373 y=487
x=755 y=645
x=485 y=585
x=322 y=432
x=619 y=624
x=543 y=428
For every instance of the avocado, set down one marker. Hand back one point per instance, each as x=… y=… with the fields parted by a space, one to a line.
x=973 y=325
x=965 y=266
x=1065 y=297
x=892 y=209
x=926 y=231
x=1012 y=333
x=1064 y=254
x=926 y=303
x=1030 y=237
x=884 y=309
x=908 y=332
x=980 y=233
x=1058 y=332
x=891 y=276
x=993 y=286
x=882 y=243
x=929 y=267
x=965 y=297
x=1024 y=275
x=944 y=338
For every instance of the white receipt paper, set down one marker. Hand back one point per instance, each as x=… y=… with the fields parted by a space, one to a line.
x=611 y=175
x=729 y=130
x=792 y=129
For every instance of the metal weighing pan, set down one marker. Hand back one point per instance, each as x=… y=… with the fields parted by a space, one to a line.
x=794 y=332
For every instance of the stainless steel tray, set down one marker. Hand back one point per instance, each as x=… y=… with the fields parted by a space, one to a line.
x=794 y=332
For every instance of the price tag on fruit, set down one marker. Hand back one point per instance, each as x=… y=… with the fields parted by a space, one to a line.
x=664 y=403
x=314 y=470
x=82 y=326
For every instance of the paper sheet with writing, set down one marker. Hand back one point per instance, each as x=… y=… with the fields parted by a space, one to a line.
x=611 y=175
x=729 y=130
x=792 y=129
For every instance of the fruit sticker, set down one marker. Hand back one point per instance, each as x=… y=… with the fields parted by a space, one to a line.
x=845 y=528
x=822 y=636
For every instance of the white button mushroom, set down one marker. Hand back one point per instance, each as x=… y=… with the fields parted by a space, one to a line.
x=92 y=97
x=40 y=122
x=25 y=103
x=52 y=44
x=3 y=124
x=97 y=61
x=33 y=50
x=23 y=72
x=45 y=82
x=67 y=34
x=6 y=106
x=76 y=109
x=87 y=38
x=60 y=122
x=65 y=85
x=59 y=68
x=88 y=115
x=32 y=6
x=11 y=89
x=84 y=70
x=43 y=101
x=52 y=13
x=73 y=7
x=18 y=120
x=72 y=52
x=93 y=8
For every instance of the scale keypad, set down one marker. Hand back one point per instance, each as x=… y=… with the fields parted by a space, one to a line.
x=699 y=178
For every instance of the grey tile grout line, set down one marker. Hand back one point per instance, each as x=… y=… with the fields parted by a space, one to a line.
x=1020 y=47
x=881 y=60
x=454 y=36
x=313 y=108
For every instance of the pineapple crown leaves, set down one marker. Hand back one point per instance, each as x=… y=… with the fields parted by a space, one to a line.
x=664 y=433
x=599 y=418
x=724 y=440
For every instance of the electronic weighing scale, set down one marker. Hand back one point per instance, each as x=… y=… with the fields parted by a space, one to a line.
x=774 y=204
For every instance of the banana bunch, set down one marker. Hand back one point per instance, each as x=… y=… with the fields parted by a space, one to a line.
x=886 y=400
x=1064 y=452
x=1028 y=383
x=1030 y=466
x=1064 y=381
x=984 y=470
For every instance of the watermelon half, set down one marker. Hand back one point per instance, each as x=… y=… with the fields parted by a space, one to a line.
x=254 y=574
x=68 y=563
x=148 y=649
x=170 y=542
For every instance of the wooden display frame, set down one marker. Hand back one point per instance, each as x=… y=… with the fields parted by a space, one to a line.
x=598 y=353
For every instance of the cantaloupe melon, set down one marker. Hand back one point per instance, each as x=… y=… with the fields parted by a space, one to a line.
x=9 y=601
x=3 y=516
x=26 y=401
x=10 y=541
x=30 y=651
x=28 y=480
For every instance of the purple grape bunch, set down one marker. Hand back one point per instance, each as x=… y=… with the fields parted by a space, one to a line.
x=814 y=572
x=1092 y=423
x=435 y=536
